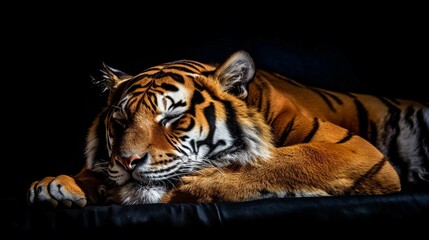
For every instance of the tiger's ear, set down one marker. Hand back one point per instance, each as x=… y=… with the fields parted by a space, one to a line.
x=235 y=73
x=110 y=78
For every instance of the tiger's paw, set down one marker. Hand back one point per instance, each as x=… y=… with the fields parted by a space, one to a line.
x=52 y=192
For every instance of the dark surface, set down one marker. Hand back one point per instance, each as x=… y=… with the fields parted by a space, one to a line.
x=387 y=215
x=49 y=102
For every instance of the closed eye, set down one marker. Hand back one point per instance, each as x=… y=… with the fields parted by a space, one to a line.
x=168 y=120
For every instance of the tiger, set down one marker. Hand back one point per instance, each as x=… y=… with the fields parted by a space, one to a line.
x=187 y=131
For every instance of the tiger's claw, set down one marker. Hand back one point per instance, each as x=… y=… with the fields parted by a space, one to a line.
x=57 y=191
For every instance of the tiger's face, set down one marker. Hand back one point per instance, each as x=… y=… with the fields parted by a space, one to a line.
x=176 y=118
x=164 y=125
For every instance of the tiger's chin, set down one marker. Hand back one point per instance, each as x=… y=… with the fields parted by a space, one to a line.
x=133 y=193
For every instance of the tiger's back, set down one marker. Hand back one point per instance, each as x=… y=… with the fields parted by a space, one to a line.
x=399 y=128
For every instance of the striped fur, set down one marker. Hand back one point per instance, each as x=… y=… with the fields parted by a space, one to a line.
x=399 y=128
x=187 y=131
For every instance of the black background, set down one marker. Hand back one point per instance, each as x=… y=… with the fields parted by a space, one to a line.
x=50 y=56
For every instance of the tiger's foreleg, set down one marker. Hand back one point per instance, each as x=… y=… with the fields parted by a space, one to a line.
x=311 y=169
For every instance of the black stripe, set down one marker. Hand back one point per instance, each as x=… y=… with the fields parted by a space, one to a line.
x=198 y=86
x=151 y=97
x=208 y=73
x=194 y=146
x=260 y=97
x=362 y=117
x=369 y=174
x=197 y=98
x=194 y=65
x=327 y=101
x=348 y=136
x=210 y=116
x=175 y=76
x=373 y=135
x=266 y=110
x=386 y=102
x=313 y=131
x=270 y=118
x=169 y=87
x=232 y=123
x=288 y=80
x=234 y=129
x=333 y=96
x=286 y=132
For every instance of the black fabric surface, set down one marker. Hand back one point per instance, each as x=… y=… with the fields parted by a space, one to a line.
x=401 y=212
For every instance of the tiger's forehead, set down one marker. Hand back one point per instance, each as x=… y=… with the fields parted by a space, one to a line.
x=178 y=72
x=166 y=86
x=160 y=91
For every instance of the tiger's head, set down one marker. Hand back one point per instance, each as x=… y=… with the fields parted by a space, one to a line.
x=175 y=118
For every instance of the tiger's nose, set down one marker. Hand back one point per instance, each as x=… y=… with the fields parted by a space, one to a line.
x=131 y=161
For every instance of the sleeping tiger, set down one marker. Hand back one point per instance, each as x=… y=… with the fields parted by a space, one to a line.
x=187 y=131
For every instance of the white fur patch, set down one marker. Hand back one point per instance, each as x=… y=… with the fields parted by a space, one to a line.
x=136 y=193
